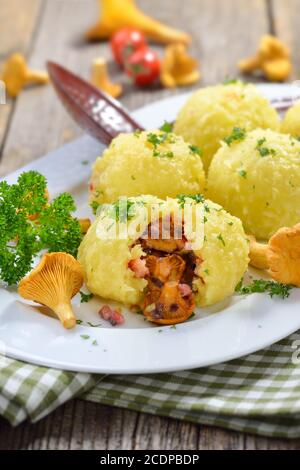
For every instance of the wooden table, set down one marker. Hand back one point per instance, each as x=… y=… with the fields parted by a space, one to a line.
x=223 y=32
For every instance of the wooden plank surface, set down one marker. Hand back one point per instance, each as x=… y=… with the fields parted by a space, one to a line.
x=18 y=27
x=287 y=26
x=219 y=41
x=36 y=123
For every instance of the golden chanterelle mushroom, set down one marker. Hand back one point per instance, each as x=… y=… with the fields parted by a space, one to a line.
x=281 y=256
x=272 y=59
x=16 y=75
x=53 y=283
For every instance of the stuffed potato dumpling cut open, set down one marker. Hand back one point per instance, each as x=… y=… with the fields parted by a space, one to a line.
x=174 y=255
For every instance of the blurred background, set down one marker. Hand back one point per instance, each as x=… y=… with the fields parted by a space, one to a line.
x=222 y=32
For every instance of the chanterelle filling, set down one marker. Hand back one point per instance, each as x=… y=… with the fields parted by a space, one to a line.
x=169 y=270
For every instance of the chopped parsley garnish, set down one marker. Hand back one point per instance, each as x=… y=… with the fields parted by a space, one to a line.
x=110 y=226
x=95 y=342
x=166 y=127
x=156 y=139
x=159 y=139
x=261 y=285
x=81 y=322
x=95 y=205
x=163 y=154
x=181 y=198
x=195 y=149
x=85 y=337
x=238 y=134
x=29 y=224
x=84 y=162
x=122 y=211
x=260 y=142
x=137 y=133
x=243 y=173
x=264 y=151
x=219 y=237
x=93 y=325
x=85 y=297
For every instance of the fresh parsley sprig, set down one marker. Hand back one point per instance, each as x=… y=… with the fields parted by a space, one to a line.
x=272 y=288
x=28 y=224
x=57 y=229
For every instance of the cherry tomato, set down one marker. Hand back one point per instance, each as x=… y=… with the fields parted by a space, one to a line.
x=125 y=42
x=143 y=66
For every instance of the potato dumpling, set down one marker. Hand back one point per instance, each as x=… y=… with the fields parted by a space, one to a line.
x=153 y=162
x=210 y=114
x=291 y=121
x=258 y=180
x=115 y=268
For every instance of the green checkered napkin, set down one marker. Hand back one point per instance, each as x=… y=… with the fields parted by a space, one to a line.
x=259 y=393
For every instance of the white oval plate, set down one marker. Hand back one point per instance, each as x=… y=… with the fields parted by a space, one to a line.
x=237 y=327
